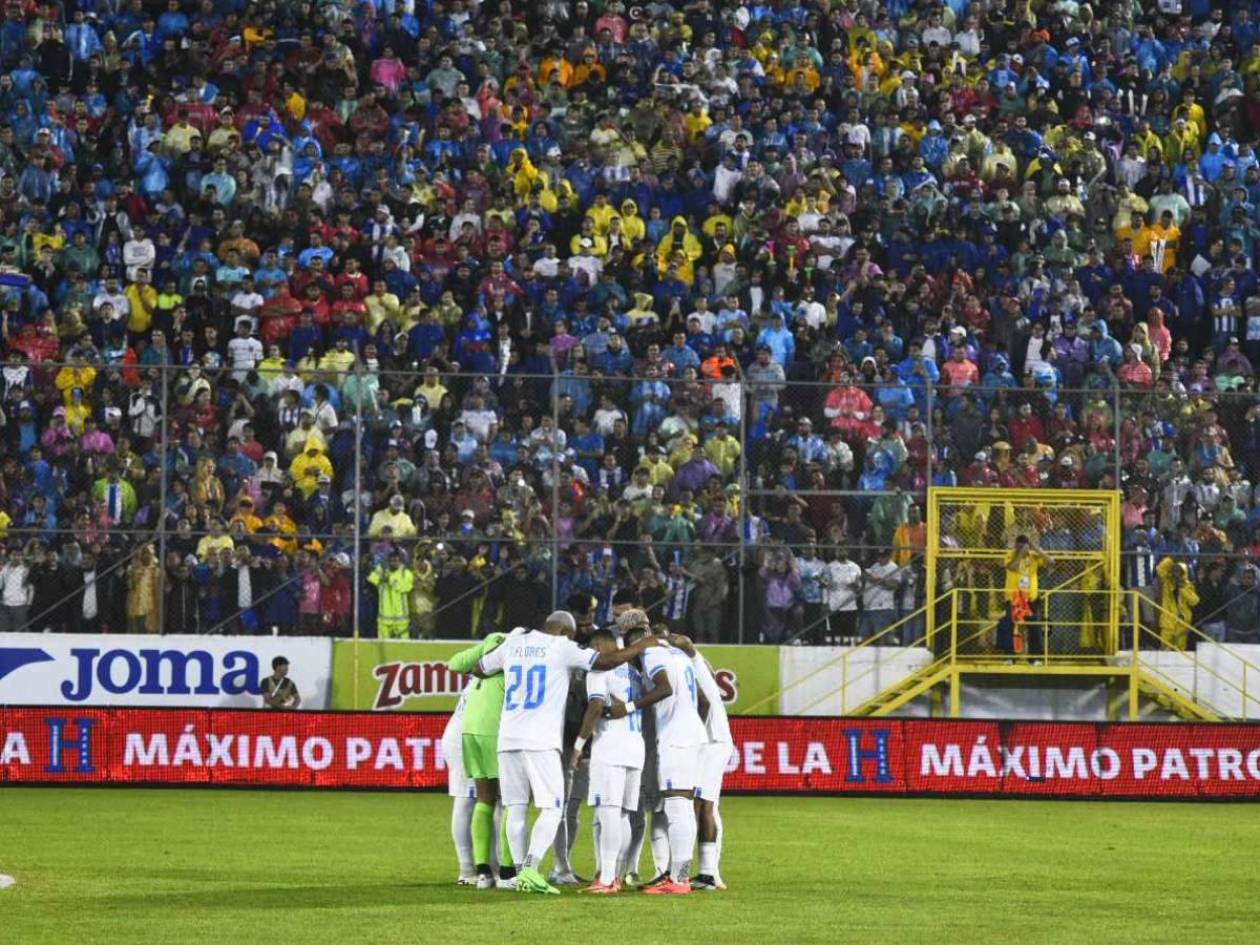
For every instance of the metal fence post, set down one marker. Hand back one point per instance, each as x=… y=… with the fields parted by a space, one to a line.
x=744 y=497
x=928 y=425
x=163 y=452
x=1115 y=394
x=358 y=506
x=555 y=485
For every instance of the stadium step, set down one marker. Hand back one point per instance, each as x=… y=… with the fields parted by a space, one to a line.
x=1172 y=699
x=1158 y=696
x=904 y=690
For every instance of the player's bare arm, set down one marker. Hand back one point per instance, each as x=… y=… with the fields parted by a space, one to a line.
x=628 y=655
x=678 y=641
x=661 y=689
x=594 y=708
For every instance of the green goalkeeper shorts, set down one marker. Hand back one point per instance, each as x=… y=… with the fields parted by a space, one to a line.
x=481 y=757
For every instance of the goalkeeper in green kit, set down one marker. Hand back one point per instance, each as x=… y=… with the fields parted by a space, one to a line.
x=480 y=744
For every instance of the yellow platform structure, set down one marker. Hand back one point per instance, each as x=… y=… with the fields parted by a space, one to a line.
x=1085 y=627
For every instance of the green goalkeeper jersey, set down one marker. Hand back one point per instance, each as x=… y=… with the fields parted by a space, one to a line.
x=484 y=704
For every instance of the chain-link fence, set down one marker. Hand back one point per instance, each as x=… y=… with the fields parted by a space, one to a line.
x=1034 y=568
x=331 y=495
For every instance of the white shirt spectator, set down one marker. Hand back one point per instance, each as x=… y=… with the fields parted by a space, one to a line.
x=479 y=422
x=874 y=595
x=843 y=580
x=244 y=353
x=15 y=587
x=287 y=382
x=122 y=308
x=138 y=254
x=325 y=417
x=605 y=419
x=247 y=303
x=724 y=181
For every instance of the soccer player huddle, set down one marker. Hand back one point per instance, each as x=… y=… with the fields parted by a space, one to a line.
x=658 y=740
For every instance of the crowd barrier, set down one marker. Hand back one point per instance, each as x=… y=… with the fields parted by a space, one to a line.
x=196 y=747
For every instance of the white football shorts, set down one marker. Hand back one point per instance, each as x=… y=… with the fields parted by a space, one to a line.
x=678 y=768
x=713 y=760
x=613 y=786
x=457 y=783
x=536 y=774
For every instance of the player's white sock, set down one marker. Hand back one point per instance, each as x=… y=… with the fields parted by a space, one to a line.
x=518 y=831
x=572 y=826
x=461 y=833
x=717 y=843
x=566 y=835
x=608 y=829
x=660 y=841
x=624 y=864
x=543 y=836
x=708 y=858
x=682 y=836
x=494 y=842
x=634 y=843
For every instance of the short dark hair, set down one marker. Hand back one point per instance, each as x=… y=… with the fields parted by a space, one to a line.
x=627 y=595
x=279 y=661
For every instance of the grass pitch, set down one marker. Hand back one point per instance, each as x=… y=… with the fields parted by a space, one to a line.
x=159 y=866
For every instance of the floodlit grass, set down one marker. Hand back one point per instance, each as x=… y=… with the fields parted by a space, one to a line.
x=157 y=866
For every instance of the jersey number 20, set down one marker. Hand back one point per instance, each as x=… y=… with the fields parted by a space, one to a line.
x=535 y=679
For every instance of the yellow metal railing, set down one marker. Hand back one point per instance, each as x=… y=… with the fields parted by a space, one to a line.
x=1230 y=677
x=888 y=636
x=853 y=676
x=1241 y=684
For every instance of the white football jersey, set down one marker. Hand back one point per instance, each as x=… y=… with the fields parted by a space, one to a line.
x=617 y=741
x=535 y=667
x=717 y=724
x=678 y=722
x=454 y=731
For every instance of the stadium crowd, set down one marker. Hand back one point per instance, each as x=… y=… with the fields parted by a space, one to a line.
x=708 y=293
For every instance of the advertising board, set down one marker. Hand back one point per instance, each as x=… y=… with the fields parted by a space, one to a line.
x=771 y=755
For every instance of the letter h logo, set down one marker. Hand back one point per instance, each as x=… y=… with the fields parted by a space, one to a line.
x=60 y=742
x=879 y=754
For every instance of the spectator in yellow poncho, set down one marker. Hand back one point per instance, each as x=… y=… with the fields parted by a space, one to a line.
x=632 y=225
x=394 y=517
x=863 y=62
x=600 y=212
x=75 y=374
x=307 y=467
x=280 y=522
x=1181 y=144
x=523 y=173
x=1177 y=600
x=588 y=241
x=246 y=515
x=1191 y=111
x=678 y=237
x=423 y=594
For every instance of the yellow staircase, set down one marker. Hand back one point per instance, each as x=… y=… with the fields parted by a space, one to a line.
x=904 y=691
x=1086 y=628
x=1209 y=683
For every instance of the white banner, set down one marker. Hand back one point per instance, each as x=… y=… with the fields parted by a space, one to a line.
x=835 y=680
x=187 y=671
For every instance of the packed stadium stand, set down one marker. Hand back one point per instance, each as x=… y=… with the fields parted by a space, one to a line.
x=419 y=319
